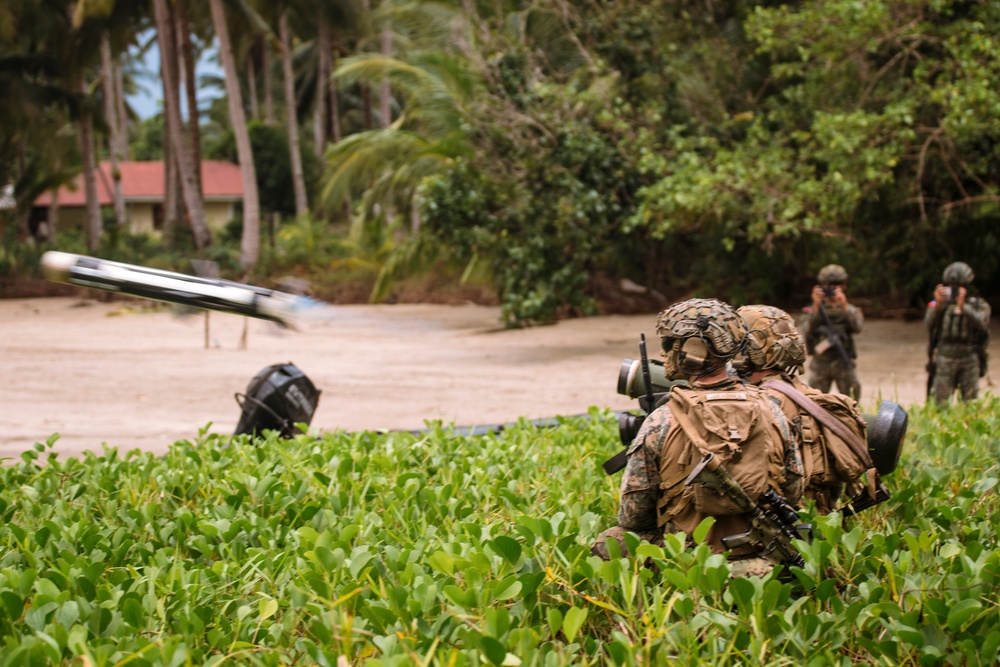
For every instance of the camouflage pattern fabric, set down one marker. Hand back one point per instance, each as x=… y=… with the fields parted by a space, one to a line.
x=832 y=273
x=750 y=567
x=617 y=533
x=824 y=372
x=640 y=487
x=711 y=320
x=773 y=342
x=846 y=321
x=951 y=373
x=956 y=363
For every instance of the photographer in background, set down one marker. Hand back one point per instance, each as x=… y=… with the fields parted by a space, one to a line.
x=829 y=329
x=959 y=329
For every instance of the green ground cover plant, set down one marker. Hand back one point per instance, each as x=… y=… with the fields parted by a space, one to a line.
x=440 y=549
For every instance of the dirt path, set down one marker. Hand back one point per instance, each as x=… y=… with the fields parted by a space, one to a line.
x=135 y=375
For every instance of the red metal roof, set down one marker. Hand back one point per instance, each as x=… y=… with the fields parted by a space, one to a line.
x=143 y=181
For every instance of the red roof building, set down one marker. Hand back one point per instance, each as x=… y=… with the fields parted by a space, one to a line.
x=143 y=187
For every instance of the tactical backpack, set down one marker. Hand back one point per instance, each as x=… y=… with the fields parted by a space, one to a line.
x=737 y=426
x=834 y=441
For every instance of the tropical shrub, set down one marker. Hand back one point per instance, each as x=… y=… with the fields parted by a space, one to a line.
x=439 y=548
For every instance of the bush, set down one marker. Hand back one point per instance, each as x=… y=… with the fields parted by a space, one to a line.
x=378 y=547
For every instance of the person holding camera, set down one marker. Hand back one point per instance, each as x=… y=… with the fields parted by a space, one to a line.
x=830 y=325
x=959 y=328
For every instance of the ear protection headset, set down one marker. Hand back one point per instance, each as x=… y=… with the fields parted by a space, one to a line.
x=693 y=355
x=687 y=355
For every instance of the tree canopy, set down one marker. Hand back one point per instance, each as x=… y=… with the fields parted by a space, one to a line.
x=695 y=148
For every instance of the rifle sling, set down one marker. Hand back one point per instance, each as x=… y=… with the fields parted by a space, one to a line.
x=823 y=417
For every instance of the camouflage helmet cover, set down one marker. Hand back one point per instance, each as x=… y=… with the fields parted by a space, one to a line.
x=958 y=273
x=772 y=342
x=832 y=273
x=716 y=323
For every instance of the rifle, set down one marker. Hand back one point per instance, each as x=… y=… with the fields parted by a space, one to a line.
x=833 y=336
x=773 y=522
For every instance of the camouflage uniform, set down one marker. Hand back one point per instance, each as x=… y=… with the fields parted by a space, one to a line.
x=956 y=362
x=775 y=351
x=828 y=366
x=640 y=489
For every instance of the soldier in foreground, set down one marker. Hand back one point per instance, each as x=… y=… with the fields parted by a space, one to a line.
x=716 y=420
x=958 y=325
x=772 y=358
x=830 y=325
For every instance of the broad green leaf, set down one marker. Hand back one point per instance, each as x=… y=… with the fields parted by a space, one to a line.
x=267 y=608
x=575 y=616
x=507 y=547
x=701 y=531
x=961 y=612
x=493 y=650
x=508 y=588
x=555 y=620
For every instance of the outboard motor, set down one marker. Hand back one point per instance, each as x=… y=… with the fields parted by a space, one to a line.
x=278 y=397
x=886 y=432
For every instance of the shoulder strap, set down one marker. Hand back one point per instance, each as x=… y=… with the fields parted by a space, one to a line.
x=823 y=417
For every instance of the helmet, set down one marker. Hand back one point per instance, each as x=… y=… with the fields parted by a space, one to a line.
x=832 y=273
x=958 y=273
x=772 y=342
x=699 y=335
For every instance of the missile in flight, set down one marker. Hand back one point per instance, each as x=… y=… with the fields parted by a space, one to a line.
x=168 y=286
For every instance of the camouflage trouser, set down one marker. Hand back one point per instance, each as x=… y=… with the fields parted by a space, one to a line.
x=951 y=373
x=824 y=371
x=743 y=567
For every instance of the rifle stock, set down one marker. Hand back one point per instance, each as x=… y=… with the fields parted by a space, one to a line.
x=772 y=527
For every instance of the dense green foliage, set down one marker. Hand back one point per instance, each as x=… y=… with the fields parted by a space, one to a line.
x=723 y=149
x=390 y=549
x=727 y=149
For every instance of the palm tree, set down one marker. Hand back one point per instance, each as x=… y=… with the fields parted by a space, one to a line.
x=185 y=49
x=291 y=116
x=250 y=249
x=172 y=110
x=386 y=166
x=114 y=127
x=35 y=98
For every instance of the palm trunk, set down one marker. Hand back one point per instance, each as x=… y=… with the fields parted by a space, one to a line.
x=52 y=219
x=122 y=111
x=386 y=92
x=252 y=86
x=173 y=210
x=268 y=84
x=322 y=83
x=334 y=109
x=86 y=139
x=186 y=49
x=250 y=249
x=291 y=119
x=111 y=117
x=172 y=107
x=365 y=91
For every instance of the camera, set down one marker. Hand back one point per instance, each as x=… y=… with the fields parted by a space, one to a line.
x=829 y=291
x=952 y=292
